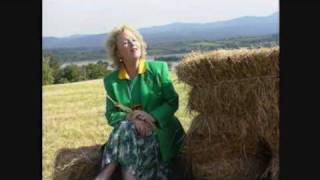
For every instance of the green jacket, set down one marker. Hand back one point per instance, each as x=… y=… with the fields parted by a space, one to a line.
x=158 y=98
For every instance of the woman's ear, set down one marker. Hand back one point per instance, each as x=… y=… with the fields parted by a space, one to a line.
x=117 y=53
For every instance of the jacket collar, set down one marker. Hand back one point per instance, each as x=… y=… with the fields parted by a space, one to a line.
x=123 y=73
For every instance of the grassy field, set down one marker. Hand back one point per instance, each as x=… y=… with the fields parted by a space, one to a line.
x=73 y=116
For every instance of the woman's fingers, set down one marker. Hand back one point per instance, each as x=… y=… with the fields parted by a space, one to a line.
x=143 y=134
x=141 y=115
x=140 y=128
x=144 y=122
x=149 y=122
x=136 y=114
x=148 y=128
x=148 y=131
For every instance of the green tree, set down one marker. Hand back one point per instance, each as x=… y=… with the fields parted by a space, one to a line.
x=72 y=73
x=83 y=73
x=60 y=77
x=95 y=71
x=55 y=65
x=103 y=63
x=54 y=62
x=63 y=80
x=47 y=72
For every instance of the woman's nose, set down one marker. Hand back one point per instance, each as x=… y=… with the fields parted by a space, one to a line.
x=131 y=42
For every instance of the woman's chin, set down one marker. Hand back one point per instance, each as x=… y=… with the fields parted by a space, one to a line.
x=136 y=56
x=133 y=58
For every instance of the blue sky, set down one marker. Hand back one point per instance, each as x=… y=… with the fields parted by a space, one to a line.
x=68 y=17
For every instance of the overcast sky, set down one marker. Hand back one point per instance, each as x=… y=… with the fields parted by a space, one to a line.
x=68 y=17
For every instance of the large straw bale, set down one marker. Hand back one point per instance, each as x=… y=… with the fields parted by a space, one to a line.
x=275 y=169
x=231 y=168
x=210 y=129
x=240 y=88
x=84 y=163
x=243 y=108
x=218 y=154
x=77 y=164
x=240 y=98
x=236 y=93
x=221 y=66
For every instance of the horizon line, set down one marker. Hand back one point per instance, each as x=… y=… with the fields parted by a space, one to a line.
x=152 y=26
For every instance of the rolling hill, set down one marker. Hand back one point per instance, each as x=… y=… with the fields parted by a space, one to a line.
x=177 y=32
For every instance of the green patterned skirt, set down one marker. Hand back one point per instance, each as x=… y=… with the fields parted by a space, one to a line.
x=140 y=156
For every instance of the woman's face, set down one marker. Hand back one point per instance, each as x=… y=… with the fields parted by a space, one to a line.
x=128 y=46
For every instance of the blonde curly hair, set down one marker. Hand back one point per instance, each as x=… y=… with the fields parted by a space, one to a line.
x=111 y=43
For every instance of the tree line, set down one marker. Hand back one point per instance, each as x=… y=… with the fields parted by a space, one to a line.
x=54 y=73
x=80 y=54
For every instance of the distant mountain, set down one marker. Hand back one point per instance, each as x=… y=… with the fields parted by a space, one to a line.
x=175 y=32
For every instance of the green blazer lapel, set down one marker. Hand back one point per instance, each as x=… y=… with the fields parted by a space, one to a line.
x=121 y=92
x=143 y=91
x=147 y=85
x=145 y=88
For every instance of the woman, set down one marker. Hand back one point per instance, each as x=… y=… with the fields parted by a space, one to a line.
x=144 y=141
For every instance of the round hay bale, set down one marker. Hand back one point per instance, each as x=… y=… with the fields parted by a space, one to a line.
x=232 y=168
x=208 y=126
x=236 y=93
x=78 y=163
x=271 y=132
x=225 y=157
x=275 y=169
x=238 y=98
x=197 y=69
x=228 y=147
x=243 y=108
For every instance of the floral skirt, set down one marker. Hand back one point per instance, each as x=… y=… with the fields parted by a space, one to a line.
x=140 y=156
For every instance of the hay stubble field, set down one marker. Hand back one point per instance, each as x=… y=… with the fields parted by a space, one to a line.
x=73 y=116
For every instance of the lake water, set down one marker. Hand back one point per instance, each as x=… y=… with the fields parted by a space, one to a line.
x=81 y=63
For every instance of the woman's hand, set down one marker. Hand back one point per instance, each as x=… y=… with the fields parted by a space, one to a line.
x=141 y=115
x=142 y=128
x=143 y=122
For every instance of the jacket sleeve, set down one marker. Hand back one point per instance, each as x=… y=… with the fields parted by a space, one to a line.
x=163 y=113
x=112 y=114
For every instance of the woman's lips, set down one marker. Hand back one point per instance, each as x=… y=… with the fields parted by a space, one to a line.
x=134 y=49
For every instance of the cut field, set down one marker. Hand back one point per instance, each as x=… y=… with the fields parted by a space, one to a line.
x=73 y=116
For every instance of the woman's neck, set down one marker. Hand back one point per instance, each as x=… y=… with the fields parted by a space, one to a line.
x=132 y=67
